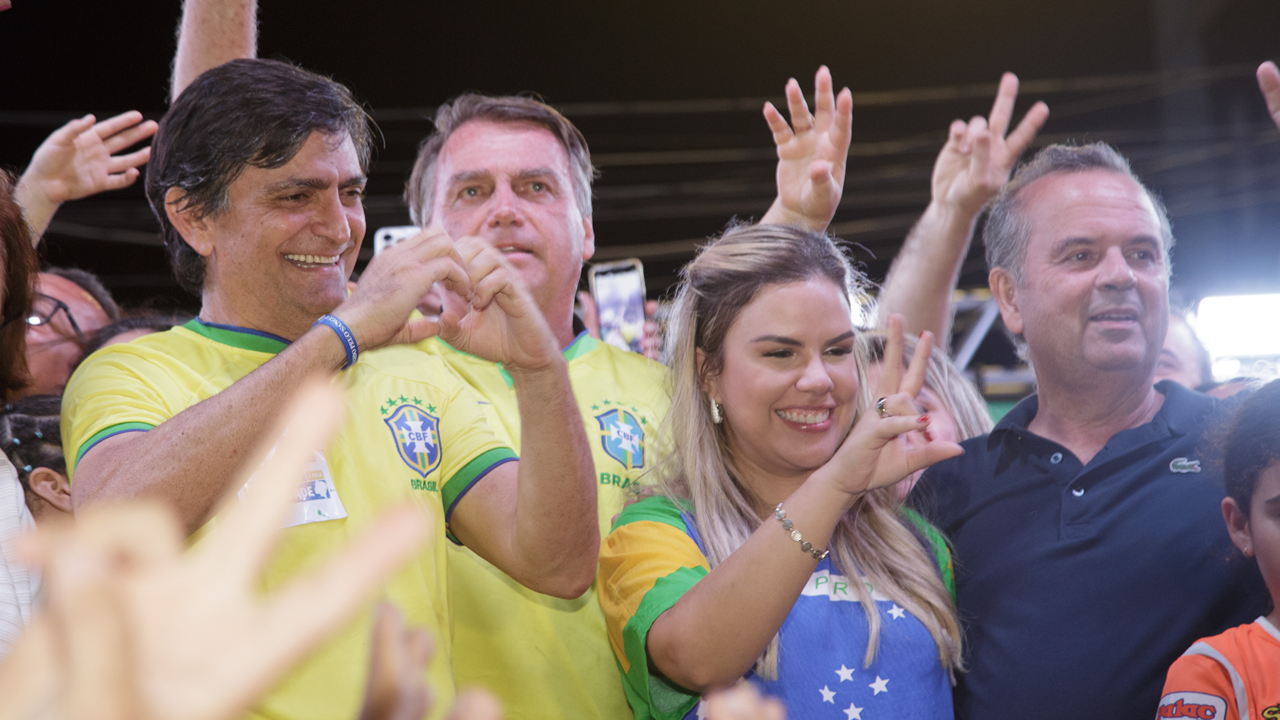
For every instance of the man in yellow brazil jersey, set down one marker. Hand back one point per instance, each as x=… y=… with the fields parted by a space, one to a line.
x=257 y=177
x=517 y=173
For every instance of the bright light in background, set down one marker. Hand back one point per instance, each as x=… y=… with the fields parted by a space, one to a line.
x=1242 y=334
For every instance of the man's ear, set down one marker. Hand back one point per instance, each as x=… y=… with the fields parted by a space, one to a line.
x=52 y=487
x=193 y=228
x=588 y=238
x=1005 y=290
x=1237 y=526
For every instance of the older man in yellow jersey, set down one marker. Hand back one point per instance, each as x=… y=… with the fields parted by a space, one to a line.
x=517 y=173
x=257 y=178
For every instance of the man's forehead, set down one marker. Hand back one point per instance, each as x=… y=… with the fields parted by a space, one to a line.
x=321 y=157
x=65 y=290
x=1068 y=201
x=486 y=146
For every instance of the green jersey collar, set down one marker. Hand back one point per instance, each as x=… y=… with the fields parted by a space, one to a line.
x=243 y=338
x=581 y=345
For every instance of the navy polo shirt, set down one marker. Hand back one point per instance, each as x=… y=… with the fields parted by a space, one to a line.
x=1078 y=585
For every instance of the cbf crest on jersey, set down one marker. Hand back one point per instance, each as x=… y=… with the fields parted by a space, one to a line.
x=622 y=437
x=417 y=436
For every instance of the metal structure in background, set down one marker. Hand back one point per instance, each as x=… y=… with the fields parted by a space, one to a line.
x=673 y=172
x=672 y=167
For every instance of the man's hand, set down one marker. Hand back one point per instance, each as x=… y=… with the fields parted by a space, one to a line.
x=504 y=324
x=138 y=626
x=972 y=167
x=978 y=158
x=812 y=153
x=79 y=159
x=393 y=284
x=1269 y=83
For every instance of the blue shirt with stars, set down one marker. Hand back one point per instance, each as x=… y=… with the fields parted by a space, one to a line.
x=822 y=644
x=1079 y=584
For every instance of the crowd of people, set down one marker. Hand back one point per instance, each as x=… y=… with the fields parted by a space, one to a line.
x=795 y=516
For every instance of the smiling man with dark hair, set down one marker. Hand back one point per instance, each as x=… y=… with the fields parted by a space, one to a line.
x=258 y=178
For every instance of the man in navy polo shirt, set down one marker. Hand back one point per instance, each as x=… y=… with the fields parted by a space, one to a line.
x=1089 y=542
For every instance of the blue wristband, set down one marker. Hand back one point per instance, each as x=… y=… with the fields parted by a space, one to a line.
x=344 y=334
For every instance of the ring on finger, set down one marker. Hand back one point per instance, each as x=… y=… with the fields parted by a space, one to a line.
x=881 y=409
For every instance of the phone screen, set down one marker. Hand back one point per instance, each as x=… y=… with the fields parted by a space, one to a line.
x=619 y=295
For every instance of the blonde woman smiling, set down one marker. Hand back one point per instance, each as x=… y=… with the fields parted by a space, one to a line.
x=774 y=547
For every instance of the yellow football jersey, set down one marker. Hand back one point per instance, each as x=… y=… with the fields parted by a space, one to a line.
x=546 y=657
x=413 y=432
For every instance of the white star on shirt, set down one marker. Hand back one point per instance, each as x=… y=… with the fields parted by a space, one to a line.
x=845 y=673
x=897 y=612
x=853 y=712
x=880 y=685
x=827 y=695
x=622 y=433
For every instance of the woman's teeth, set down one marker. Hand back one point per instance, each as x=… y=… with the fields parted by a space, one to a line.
x=804 y=418
x=313 y=260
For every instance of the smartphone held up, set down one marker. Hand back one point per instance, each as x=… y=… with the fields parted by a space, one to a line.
x=618 y=290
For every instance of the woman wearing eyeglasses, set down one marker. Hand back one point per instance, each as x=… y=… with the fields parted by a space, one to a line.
x=69 y=307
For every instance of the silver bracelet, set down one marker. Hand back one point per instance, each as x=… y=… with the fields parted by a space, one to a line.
x=805 y=545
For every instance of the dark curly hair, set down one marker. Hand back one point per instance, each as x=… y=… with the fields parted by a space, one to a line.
x=241 y=113
x=19 y=268
x=1252 y=444
x=31 y=438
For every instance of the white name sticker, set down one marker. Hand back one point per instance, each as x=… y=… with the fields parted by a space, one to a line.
x=837 y=588
x=315 y=498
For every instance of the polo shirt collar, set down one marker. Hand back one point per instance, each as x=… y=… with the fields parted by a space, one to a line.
x=1181 y=412
x=238 y=337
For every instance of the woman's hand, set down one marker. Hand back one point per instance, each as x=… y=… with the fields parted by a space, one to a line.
x=869 y=458
x=80 y=159
x=812 y=153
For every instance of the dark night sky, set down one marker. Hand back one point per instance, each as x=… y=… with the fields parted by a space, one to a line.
x=73 y=56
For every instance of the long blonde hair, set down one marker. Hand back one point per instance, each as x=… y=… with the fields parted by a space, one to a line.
x=695 y=463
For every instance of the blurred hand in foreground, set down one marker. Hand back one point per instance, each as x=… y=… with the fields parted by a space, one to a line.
x=135 y=628
x=397 y=666
x=743 y=702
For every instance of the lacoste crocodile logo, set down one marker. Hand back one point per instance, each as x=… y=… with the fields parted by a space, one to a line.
x=1183 y=465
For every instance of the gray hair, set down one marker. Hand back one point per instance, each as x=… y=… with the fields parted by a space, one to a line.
x=420 y=191
x=1008 y=230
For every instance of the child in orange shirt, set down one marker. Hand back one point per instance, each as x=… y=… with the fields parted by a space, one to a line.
x=1236 y=675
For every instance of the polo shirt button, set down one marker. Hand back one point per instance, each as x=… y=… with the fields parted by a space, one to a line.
x=1078 y=492
x=1055 y=458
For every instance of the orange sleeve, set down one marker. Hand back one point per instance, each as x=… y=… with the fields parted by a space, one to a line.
x=1198 y=688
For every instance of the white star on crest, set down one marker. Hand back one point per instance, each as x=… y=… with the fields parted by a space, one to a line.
x=845 y=673
x=880 y=685
x=416 y=427
x=828 y=695
x=897 y=612
x=622 y=433
x=853 y=712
